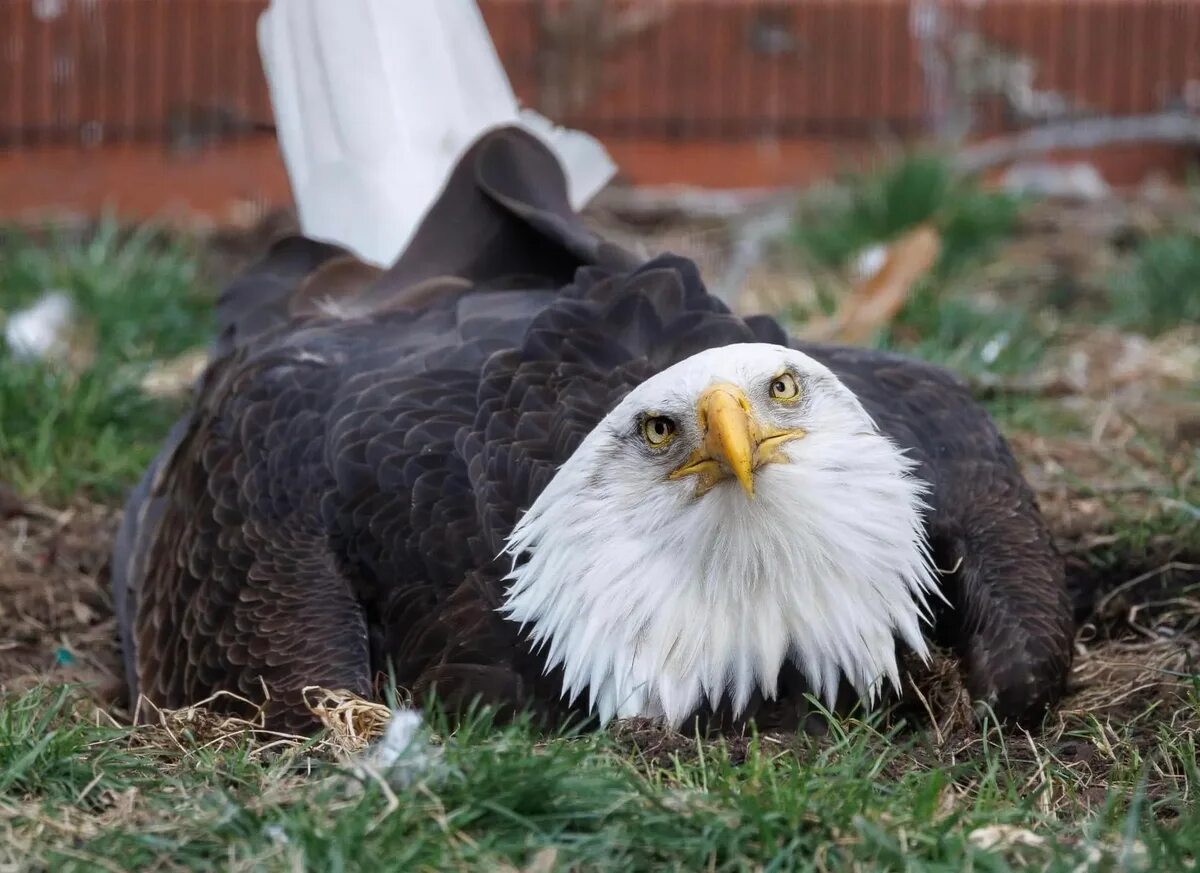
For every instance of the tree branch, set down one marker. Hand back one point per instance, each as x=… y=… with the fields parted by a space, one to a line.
x=1166 y=127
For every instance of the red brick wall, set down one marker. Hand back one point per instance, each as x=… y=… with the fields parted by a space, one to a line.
x=734 y=92
x=128 y=69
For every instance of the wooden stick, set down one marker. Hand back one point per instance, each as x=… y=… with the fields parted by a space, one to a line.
x=1164 y=127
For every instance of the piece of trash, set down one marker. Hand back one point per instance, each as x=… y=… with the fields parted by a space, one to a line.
x=49 y=330
x=877 y=299
x=63 y=658
x=992 y=348
x=33 y=333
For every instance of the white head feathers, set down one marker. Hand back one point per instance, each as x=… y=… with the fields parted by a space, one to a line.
x=653 y=575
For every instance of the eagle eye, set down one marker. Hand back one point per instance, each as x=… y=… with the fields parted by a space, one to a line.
x=785 y=388
x=657 y=430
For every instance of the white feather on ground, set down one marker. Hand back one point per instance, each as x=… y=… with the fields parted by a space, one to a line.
x=374 y=102
x=404 y=753
x=39 y=331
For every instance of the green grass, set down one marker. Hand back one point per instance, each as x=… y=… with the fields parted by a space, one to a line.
x=941 y=322
x=1160 y=289
x=61 y=435
x=877 y=207
x=1149 y=493
x=1029 y=413
x=45 y=752
x=955 y=331
x=1153 y=523
x=502 y=796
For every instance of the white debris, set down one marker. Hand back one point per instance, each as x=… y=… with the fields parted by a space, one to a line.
x=42 y=330
x=1001 y=837
x=993 y=347
x=175 y=378
x=1130 y=856
x=48 y=10
x=403 y=754
x=1077 y=181
x=869 y=262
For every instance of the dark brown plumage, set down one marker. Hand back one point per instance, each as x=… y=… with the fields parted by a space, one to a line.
x=363 y=442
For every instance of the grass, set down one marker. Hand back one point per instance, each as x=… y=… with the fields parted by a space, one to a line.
x=503 y=798
x=942 y=321
x=946 y=320
x=959 y=333
x=45 y=752
x=1107 y=783
x=1155 y=521
x=1144 y=493
x=1015 y=412
x=877 y=207
x=1160 y=289
x=92 y=434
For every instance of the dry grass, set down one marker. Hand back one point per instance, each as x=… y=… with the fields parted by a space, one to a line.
x=56 y=614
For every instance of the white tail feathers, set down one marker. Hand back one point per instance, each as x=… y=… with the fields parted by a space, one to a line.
x=375 y=100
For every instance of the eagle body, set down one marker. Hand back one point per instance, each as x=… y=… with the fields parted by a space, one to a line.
x=525 y=468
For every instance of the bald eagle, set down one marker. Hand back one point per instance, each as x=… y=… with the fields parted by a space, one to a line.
x=524 y=468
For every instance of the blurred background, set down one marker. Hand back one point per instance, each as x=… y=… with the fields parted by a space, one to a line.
x=160 y=106
x=1007 y=188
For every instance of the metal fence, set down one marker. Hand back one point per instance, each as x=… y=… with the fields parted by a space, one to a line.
x=186 y=72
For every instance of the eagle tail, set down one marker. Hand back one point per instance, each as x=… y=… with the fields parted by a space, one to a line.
x=375 y=101
x=504 y=210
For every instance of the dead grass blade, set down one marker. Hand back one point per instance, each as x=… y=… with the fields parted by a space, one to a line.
x=877 y=300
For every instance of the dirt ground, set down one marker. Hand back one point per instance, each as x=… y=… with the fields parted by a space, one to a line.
x=56 y=612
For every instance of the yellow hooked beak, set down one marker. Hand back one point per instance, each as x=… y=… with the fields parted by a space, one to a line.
x=733 y=442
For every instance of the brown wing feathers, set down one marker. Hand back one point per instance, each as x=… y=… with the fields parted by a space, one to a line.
x=364 y=440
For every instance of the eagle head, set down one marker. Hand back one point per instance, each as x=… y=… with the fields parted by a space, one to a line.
x=736 y=511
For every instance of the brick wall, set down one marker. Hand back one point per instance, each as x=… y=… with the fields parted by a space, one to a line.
x=703 y=91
